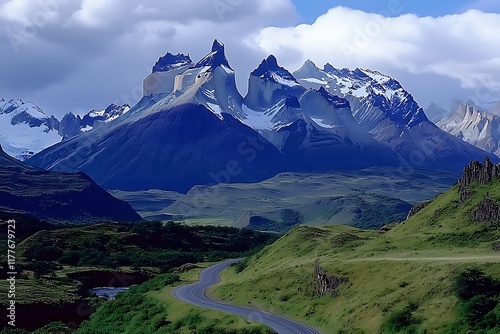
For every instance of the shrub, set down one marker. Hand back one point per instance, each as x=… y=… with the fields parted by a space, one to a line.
x=474 y=310
x=240 y=266
x=402 y=321
x=472 y=283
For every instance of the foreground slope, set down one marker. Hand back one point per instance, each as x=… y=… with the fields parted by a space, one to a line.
x=57 y=197
x=378 y=274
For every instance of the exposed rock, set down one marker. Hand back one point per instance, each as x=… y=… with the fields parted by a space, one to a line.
x=496 y=246
x=324 y=283
x=417 y=208
x=477 y=173
x=487 y=211
x=390 y=226
x=186 y=267
x=70 y=126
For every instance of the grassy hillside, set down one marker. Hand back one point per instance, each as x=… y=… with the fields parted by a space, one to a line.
x=402 y=276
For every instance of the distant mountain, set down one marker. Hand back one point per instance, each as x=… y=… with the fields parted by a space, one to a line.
x=57 y=197
x=495 y=108
x=71 y=125
x=435 y=112
x=25 y=129
x=477 y=127
x=386 y=110
x=193 y=127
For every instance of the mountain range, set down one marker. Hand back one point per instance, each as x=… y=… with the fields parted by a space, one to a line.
x=194 y=127
x=25 y=129
x=475 y=126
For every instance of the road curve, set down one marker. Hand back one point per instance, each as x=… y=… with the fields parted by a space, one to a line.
x=196 y=294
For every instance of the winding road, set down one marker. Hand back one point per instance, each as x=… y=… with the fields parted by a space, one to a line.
x=196 y=294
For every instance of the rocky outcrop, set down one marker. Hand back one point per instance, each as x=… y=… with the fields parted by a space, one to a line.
x=487 y=211
x=325 y=283
x=477 y=173
x=186 y=267
x=70 y=126
x=417 y=208
x=496 y=246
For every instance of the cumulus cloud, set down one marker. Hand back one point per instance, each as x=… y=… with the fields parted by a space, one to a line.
x=77 y=55
x=463 y=47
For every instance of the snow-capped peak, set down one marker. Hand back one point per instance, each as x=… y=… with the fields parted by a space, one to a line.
x=109 y=114
x=216 y=58
x=367 y=87
x=170 y=62
x=270 y=70
x=309 y=64
x=270 y=83
x=25 y=129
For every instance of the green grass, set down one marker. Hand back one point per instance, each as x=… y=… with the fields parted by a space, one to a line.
x=415 y=263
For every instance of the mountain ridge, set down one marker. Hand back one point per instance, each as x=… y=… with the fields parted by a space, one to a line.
x=25 y=129
x=57 y=197
x=371 y=121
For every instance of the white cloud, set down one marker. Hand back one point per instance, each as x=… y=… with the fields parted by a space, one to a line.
x=464 y=46
x=96 y=13
x=75 y=55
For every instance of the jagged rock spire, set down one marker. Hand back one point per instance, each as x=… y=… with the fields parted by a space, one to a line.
x=216 y=57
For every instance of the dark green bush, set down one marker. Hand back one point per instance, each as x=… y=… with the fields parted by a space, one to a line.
x=475 y=309
x=472 y=283
x=479 y=306
x=402 y=321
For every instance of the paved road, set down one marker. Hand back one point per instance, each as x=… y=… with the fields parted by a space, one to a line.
x=196 y=294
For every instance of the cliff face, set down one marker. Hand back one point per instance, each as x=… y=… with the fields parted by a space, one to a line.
x=418 y=208
x=477 y=173
x=488 y=210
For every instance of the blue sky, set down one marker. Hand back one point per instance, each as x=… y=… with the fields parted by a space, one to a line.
x=311 y=9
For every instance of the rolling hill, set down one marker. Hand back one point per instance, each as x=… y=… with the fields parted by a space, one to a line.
x=57 y=197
